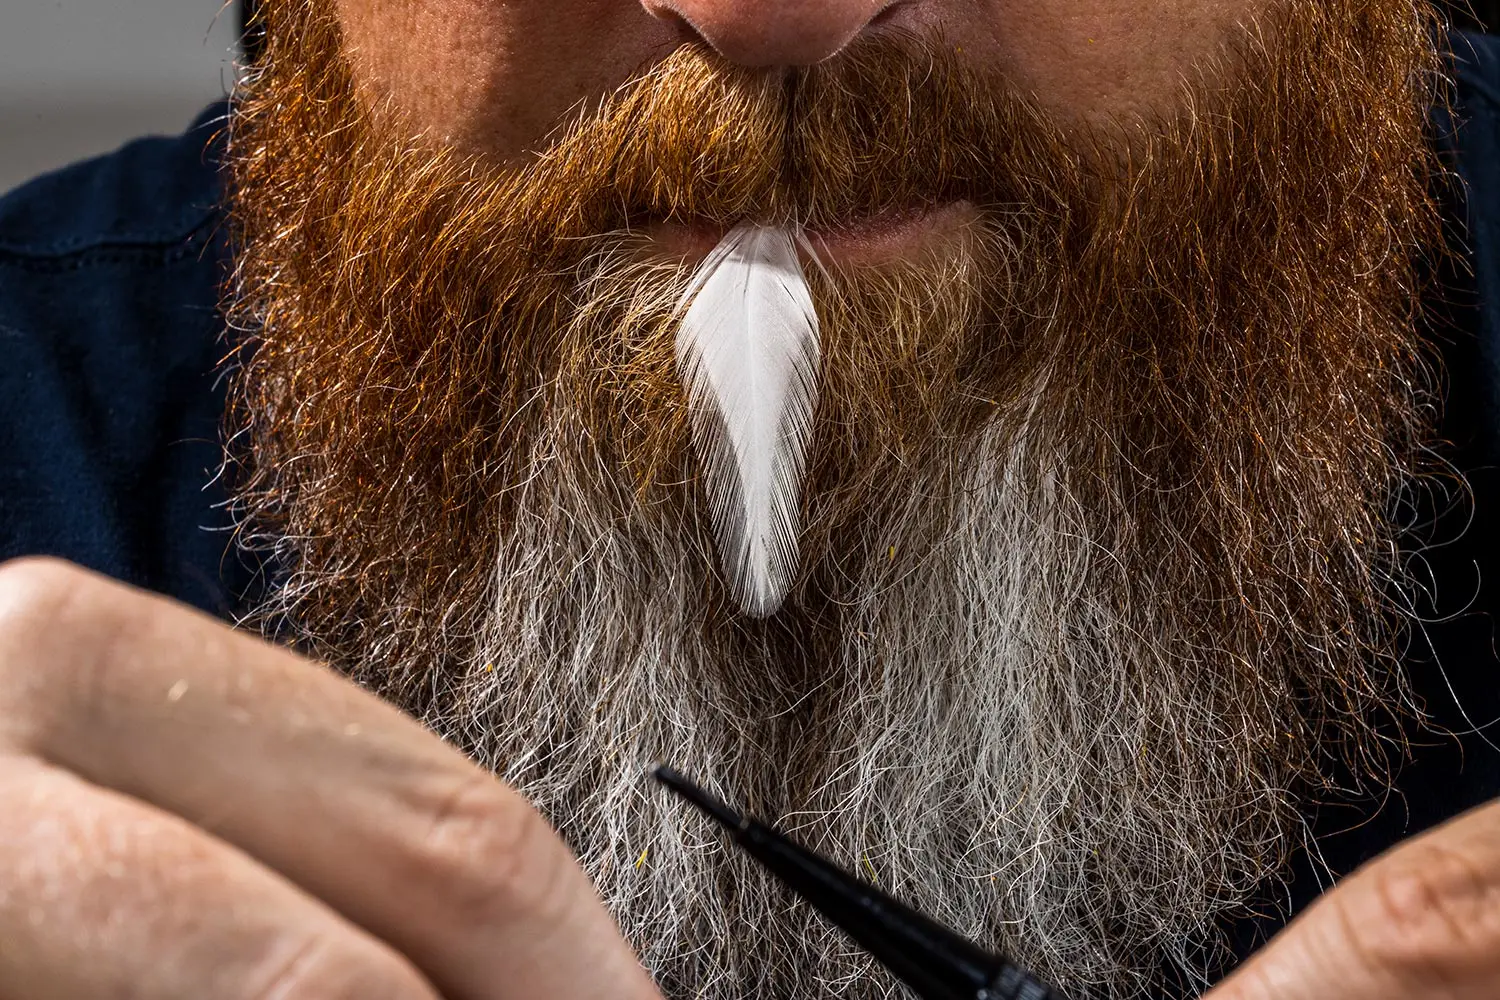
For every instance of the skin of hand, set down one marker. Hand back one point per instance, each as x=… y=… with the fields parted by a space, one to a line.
x=1421 y=921
x=187 y=812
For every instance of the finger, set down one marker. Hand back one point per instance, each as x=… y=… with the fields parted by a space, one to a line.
x=1421 y=921
x=107 y=897
x=320 y=780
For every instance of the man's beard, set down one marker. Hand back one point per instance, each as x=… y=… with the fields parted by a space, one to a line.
x=1097 y=576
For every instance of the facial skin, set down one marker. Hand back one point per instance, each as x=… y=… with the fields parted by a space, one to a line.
x=359 y=856
x=498 y=77
x=1054 y=663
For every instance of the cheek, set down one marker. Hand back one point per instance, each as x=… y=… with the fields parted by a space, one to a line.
x=499 y=75
x=1100 y=59
x=495 y=75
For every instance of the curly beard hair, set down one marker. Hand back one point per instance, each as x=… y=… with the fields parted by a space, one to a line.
x=1099 y=586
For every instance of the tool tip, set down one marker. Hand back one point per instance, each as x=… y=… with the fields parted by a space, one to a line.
x=710 y=806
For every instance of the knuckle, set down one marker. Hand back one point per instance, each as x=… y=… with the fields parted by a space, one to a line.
x=35 y=593
x=485 y=855
x=43 y=607
x=54 y=611
x=317 y=967
x=1435 y=912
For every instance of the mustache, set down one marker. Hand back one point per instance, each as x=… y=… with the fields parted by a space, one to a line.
x=1097 y=549
x=893 y=123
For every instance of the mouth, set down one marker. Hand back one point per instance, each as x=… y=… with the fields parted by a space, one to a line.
x=867 y=241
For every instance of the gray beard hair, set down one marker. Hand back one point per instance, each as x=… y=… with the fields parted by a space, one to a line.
x=1061 y=687
x=1021 y=706
x=1015 y=735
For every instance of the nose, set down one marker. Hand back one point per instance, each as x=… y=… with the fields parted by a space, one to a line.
x=773 y=32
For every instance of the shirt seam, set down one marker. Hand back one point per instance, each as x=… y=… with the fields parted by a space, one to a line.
x=115 y=250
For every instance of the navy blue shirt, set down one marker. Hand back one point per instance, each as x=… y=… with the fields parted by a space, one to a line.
x=110 y=336
x=110 y=410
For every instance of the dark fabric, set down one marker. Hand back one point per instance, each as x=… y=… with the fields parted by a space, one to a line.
x=1452 y=659
x=1454 y=552
x=110 y=336
x=110 y=437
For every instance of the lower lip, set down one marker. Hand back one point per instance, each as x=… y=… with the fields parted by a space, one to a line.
x=871 y=241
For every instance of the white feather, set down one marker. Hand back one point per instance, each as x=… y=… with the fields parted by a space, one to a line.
x=747 y=352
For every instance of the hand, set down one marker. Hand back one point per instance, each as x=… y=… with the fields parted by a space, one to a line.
x=1419 y=923
x=186 y=812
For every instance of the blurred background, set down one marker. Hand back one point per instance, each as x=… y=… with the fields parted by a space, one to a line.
x=78 y=77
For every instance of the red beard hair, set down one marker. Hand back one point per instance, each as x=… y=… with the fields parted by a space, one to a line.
x=1196 y=353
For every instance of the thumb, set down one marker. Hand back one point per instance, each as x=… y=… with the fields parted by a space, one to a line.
x=1422 y=921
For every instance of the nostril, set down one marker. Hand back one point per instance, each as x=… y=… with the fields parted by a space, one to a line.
x=675 y=18
x=773 y=32
x=888 y=13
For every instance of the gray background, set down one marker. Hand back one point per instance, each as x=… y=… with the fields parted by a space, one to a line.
x=79 y=77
